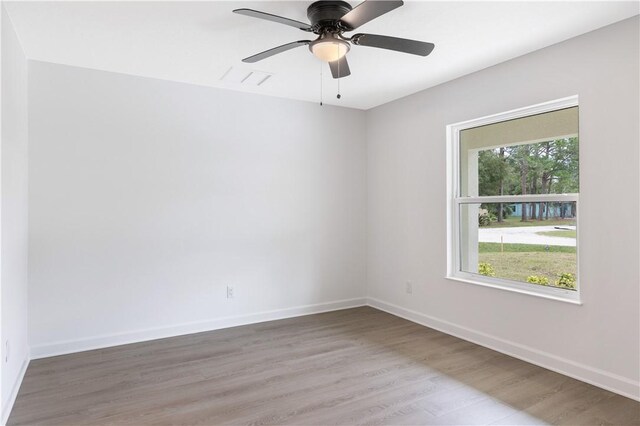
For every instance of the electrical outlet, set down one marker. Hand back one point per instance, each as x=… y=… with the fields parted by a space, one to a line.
x=229 y=292
x=409 y=287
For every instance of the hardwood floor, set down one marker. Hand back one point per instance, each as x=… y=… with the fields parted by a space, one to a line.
x=356 y=366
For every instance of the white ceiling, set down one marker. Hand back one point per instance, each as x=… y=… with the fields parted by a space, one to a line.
x=197 y=42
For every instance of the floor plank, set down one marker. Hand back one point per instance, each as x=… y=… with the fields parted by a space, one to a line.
x=355 y=366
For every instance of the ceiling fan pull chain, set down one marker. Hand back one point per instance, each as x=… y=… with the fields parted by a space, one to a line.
x=321 y=64
x=339 y=75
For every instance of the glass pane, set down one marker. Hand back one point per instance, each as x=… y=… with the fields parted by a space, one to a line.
x=539 y=253
x=530 y=155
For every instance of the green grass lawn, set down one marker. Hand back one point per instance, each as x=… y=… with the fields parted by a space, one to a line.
x=515 y=221
x=560 y=233
x=518 y=261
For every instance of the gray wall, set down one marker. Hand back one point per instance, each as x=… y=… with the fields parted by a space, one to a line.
x=599 y=341
x=147 y=198
x=14 y=212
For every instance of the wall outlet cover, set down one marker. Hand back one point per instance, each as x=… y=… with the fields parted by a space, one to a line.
x=409 y=288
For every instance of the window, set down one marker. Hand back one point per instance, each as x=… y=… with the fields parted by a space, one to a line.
x=513 y=200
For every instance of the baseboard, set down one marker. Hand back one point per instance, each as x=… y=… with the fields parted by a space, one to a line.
x=7 y=404
x=603 y=379
x=104 y=341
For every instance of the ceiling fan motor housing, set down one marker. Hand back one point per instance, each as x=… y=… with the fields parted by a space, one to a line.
x=326 y=14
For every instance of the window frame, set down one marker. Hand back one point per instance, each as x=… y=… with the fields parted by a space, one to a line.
x=455 y=200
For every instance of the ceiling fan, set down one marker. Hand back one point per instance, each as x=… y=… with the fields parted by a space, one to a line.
x=330 y=19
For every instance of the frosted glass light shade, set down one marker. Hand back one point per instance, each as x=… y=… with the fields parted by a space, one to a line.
x=329 y=49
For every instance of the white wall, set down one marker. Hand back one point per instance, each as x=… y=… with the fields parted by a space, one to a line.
x=148 y=197
x=13 y=203
x=598 y=341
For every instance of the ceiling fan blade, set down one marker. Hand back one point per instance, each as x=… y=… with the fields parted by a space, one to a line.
x=274 y=18
x=267 y=53
x=394 y=43
x=367 y=11
x=340 y=68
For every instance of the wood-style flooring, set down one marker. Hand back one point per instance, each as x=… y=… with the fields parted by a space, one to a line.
x=356 y=366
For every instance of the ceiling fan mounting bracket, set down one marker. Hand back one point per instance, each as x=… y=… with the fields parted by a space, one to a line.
x=325 y=15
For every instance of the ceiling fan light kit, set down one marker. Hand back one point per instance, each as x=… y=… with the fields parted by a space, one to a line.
x=329 y=48
x=330 y=19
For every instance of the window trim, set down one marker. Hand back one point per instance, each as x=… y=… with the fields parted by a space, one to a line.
x=454 y=200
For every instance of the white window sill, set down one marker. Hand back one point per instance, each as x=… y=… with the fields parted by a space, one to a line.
x=559 y=295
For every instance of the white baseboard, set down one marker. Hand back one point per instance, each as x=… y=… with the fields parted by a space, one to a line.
x=104 y=341
x=7 y=404
x=603 y=379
